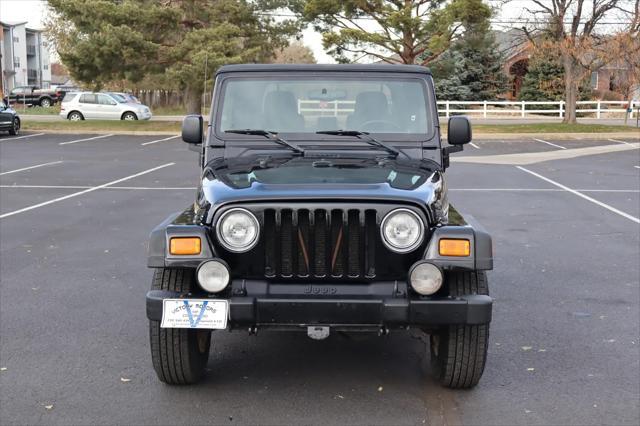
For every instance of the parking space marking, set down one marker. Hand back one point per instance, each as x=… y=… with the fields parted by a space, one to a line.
x=29 y=168
x=160 y=140
x=164 y=188
x=85 y=139
x=637 y=167
x=21 y=137
x=581 y=195
x=619 y=141
x=86 y=191
x=632 y=191
x=474 y=145
x=549 y=143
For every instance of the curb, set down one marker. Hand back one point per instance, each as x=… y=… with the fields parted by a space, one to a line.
x=476 y=135
x=554 y=136
x=102 y=132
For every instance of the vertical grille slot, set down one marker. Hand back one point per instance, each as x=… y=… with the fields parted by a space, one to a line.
x=337 y=244
x=353 y=247
x=286 y=243
x=302 y=243
x=370 y=238
x=320 y=243
x=270 y=246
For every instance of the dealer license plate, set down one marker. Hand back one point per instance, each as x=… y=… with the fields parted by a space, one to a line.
x=194 y=313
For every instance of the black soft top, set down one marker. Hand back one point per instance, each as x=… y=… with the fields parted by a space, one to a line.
x=388 y=68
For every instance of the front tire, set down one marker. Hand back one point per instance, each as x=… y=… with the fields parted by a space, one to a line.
x=129 y=116
x=459 y=352
x=15 y=127
x=179 y=355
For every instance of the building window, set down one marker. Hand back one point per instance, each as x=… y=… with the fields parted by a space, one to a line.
x=594 y=80
x=16 y=39
x=45 y=66
x=16 y=62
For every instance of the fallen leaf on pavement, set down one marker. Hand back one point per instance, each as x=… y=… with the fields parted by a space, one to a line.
x=49 y=407
x=526 y=348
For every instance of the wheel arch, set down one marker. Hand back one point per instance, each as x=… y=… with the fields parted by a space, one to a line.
x=128 y=112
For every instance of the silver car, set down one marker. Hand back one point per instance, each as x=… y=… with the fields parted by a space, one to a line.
x=78 y=106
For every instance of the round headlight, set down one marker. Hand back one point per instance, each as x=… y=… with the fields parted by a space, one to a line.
x=213 y=275
x=402 y=230
x=238 y=230
x=425 y=278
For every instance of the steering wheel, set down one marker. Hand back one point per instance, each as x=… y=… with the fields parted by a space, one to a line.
x=385 y=124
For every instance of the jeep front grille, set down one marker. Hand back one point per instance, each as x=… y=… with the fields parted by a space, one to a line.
x=320 y=243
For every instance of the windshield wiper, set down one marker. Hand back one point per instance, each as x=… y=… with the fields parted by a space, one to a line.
x=368 y=139
x=269 y=135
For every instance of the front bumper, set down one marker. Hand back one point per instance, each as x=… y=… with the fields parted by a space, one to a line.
x=376 y=305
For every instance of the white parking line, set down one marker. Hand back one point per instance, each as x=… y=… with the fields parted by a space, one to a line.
x=619 y=141
x=632 y=191
x=474 y=145
x=159 y=140
x=85 y=139
x=21 y=137
x=581 y=195
x=75 y=194
x=29 y=168
x=637 y=167
x=549 y=143
x=163 y=188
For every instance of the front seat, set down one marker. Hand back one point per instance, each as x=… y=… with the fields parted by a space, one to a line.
x=370 y=106
x=281 y=113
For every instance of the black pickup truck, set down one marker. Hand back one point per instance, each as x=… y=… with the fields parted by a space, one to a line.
x=33 y=96
x=322 y=207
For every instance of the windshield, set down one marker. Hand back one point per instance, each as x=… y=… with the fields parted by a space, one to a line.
x=119 y=98
x=319 y=171
x=301 y=105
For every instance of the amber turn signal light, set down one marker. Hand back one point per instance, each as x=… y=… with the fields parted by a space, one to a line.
x=449 y=247
x=184 y=245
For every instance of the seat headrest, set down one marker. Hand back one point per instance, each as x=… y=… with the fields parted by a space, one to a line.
x=280 y=101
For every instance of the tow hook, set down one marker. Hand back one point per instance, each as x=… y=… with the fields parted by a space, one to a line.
x=318 y=333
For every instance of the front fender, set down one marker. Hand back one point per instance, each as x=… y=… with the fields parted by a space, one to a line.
x=180 y=224
x=481 y=257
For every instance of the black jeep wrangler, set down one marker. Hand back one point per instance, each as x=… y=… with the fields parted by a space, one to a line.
x=322 y=207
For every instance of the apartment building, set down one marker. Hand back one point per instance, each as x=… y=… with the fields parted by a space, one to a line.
x=24 y=57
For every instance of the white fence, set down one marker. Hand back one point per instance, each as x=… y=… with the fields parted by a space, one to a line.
x=491 y=109
x=524 y=109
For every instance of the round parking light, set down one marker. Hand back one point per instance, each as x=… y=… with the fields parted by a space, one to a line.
x=213 y=275
x=425 y=278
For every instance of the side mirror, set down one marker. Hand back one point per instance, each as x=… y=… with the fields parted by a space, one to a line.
x=192 y=129
x=459 y=130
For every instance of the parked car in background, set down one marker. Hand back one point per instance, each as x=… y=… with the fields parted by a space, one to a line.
x=78 y=106
x=33 y=96
x=125 y=97
x=62 y=90
x=9 y=119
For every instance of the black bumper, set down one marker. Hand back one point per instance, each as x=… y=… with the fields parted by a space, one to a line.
x=343 y=311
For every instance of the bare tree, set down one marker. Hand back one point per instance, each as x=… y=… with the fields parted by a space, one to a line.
x=295 y=53
x=571 y=27
x=623 y=52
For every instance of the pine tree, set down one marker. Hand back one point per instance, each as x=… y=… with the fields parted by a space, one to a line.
x=471 y=70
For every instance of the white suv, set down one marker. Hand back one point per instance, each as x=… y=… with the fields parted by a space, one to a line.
x=78 y=106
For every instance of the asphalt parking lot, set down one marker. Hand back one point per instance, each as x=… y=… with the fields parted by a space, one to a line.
x=75 y=213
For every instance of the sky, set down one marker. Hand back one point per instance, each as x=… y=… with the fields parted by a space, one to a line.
x=34 y=12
